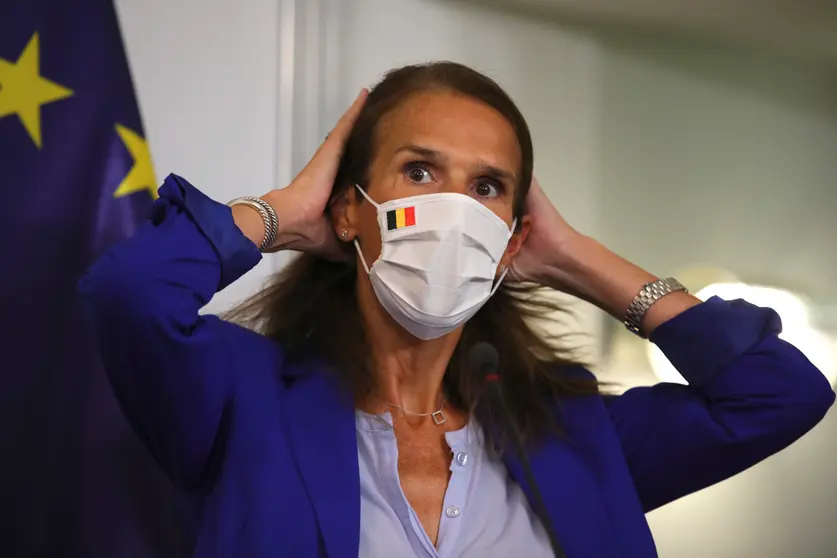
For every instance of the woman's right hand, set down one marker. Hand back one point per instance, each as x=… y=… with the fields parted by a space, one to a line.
x=301 y=206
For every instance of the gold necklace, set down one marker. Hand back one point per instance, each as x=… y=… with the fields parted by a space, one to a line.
x=438 y=416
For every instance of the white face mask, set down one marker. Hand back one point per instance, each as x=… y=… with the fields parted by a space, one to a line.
x=439 y=258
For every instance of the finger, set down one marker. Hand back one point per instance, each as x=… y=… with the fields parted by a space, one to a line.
x=338 y=252
x=329 y=247
x=514 y=275
x=535 y=188
x=340 y=133
x=535 y=195
x=328 y=155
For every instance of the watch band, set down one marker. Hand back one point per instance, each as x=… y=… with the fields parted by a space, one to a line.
x=648 y=295
x=268 y=215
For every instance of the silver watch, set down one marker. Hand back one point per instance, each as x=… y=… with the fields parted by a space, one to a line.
x=648 y=295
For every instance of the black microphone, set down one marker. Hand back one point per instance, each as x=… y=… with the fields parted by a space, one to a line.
x=484 y=361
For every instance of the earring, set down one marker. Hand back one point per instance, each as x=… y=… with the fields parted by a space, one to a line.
x=344 y=233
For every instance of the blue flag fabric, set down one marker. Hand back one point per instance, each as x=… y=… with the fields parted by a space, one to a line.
x=75 y=177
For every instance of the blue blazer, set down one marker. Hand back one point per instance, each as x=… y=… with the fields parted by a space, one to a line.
x=264 y=447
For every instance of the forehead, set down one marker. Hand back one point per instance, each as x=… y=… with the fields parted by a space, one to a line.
x=462 y=128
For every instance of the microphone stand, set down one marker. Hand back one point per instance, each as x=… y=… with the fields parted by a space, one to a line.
x=523 y=455
x=484 y=362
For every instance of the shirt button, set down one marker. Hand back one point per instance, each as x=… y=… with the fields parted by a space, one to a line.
x=452 y=511
x=461 y=458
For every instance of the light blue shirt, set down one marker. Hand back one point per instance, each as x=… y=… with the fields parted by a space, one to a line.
x=485 y=513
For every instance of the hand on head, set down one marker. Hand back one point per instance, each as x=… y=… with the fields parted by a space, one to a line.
x=548 y=235
x=306 y=227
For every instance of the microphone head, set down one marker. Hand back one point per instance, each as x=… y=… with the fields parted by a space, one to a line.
x=484 y=361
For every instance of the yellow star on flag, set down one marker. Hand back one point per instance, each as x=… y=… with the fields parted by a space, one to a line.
x=141 y=175
x=23 y=90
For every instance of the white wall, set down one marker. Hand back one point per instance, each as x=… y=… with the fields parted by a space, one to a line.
x=714 y=157
x=737 y=153
x=206 y=75
x=738 y=157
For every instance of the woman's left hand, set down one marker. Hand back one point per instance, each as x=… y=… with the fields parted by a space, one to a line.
x=549 y=235
x=557 y=256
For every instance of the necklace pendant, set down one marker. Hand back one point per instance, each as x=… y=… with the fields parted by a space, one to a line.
x=439 y=417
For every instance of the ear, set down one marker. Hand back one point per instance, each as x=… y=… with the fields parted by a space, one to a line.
x=516 y=242
x=343 y=214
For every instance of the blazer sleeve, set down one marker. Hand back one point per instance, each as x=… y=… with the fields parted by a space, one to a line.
x=750 y=395
x=174 y=371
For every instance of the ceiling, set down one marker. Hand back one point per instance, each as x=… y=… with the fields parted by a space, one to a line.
x=806 y=28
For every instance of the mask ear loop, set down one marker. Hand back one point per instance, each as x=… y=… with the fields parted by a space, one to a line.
x=505 y=271
x=360 y=255
x=355 y=242
x=365 y=195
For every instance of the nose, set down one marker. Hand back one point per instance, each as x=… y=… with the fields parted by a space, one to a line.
x=458 y=182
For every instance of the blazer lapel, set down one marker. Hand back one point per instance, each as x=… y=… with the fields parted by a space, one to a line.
x=571 y=497
x=320 y=420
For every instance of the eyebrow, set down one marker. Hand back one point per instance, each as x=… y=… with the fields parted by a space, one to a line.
x=434 y=155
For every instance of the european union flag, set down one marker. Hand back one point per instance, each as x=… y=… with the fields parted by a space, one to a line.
x=75 y=177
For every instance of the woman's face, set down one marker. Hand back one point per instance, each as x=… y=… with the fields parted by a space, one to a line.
x=439 y=142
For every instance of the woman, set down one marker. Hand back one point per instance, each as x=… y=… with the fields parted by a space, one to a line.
x=354 y=424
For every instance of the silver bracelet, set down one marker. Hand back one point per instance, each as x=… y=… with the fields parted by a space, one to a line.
x=268 y=215
x=648 y=295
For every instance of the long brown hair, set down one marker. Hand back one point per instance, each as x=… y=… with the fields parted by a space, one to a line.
x=311 y=306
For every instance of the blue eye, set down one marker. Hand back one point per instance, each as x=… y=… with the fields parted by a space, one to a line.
x=418 y=173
